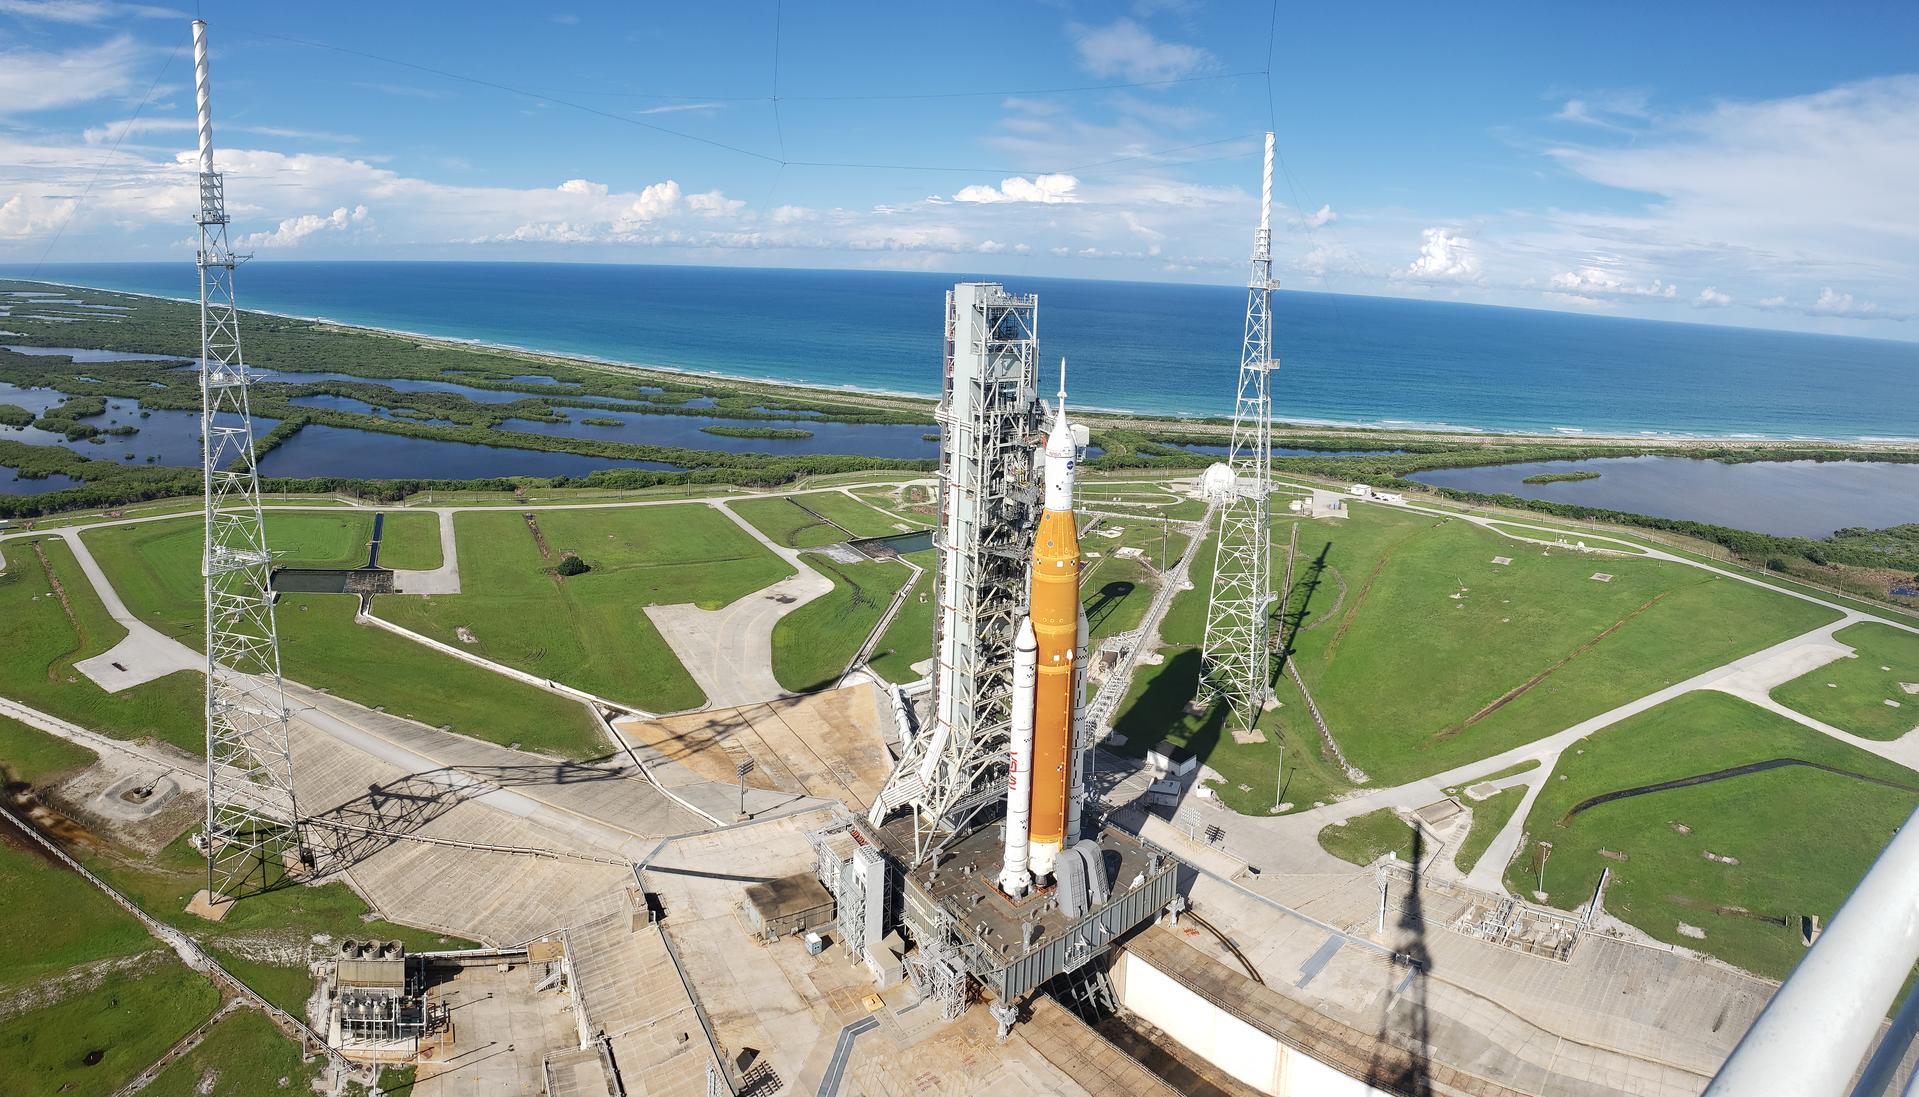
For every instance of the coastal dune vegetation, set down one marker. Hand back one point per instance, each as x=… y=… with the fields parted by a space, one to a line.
x=549 y=389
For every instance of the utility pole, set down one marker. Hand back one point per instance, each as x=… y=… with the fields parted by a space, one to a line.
x=739 y=773
x=1279 y=782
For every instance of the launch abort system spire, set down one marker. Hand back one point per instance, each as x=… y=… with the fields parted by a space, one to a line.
x=1237 y=663
x=252 y=819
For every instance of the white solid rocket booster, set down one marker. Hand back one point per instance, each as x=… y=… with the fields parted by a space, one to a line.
x=1014 y=878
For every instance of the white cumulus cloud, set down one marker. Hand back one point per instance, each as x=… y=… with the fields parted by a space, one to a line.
x=294 y=230
x=28 y=215
x=1597 y=280
x=713 y=204
x=1833 y=303
x=1710 y=298
x=1443 y=257
x=1046 y=189
x=1321 y=218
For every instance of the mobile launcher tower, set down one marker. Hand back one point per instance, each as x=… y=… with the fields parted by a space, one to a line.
x=1005 y=902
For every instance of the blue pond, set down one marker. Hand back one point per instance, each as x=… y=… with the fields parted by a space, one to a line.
x=12 y=484
x=1787 y=498
x=169 y=437
x=356 y=407
x=336 y=451
x=81 y=354
x=683 y=431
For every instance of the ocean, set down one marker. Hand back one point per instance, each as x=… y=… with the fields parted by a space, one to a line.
x=1156 y=349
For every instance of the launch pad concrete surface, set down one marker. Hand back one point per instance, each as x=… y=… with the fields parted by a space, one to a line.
x=810 y=1019
x=1617 y=1017
x=829 y=745
x=500 y=1028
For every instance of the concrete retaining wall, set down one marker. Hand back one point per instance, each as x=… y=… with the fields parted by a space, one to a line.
x=1239 y=1049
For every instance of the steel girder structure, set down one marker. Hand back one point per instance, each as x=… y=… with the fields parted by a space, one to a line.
x=989 y=416
x=252 y=817
x=1237 y=665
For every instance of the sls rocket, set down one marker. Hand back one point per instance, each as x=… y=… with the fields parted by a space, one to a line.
x=1043 y=782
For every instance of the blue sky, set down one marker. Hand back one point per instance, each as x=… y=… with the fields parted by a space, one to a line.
x=1749 y=164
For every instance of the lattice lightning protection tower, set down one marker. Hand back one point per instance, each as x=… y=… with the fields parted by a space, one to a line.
x=1237 y=662
x=252 y=818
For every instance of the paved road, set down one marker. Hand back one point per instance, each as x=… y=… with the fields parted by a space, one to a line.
x=145 y=654
x=729 y=651
x=444 y=579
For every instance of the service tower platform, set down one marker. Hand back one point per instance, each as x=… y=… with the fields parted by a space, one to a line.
x=1013 y=946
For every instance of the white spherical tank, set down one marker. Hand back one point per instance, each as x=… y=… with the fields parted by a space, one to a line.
x=1218 y=482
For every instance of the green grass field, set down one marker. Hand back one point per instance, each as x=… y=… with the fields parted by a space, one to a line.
x=172 y=506
x=57 y=919
x=1185 y=618
x=1423 y=654
x=911 y=505
x=1489 y=816
x=908 y=639
x=1155 y=708
x=35 y=757
x=813 y=644
x=1115 y=593
x=1801 y=837
x=151 y=566
x=1366 y=838
x=785 y=522
x=410 y=540
x=287 y=917
x=334 y=539
x=1851 y=694
x=42 y=638
x=242 y=1056
x=852 y=515
x=591 y=631
x=812 y=520
x=322 y=645
x=122 y=1026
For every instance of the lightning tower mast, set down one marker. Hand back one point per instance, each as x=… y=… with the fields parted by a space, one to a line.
x=1237 y=660
x=252 y=820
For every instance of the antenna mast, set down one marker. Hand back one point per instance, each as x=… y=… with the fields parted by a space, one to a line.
x=1237 y=661
x=252 y=820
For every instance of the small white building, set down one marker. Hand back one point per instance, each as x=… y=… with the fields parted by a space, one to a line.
x=1296 y=505
x=1173 y=761
x=1389 y=497
x=1360 y=490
